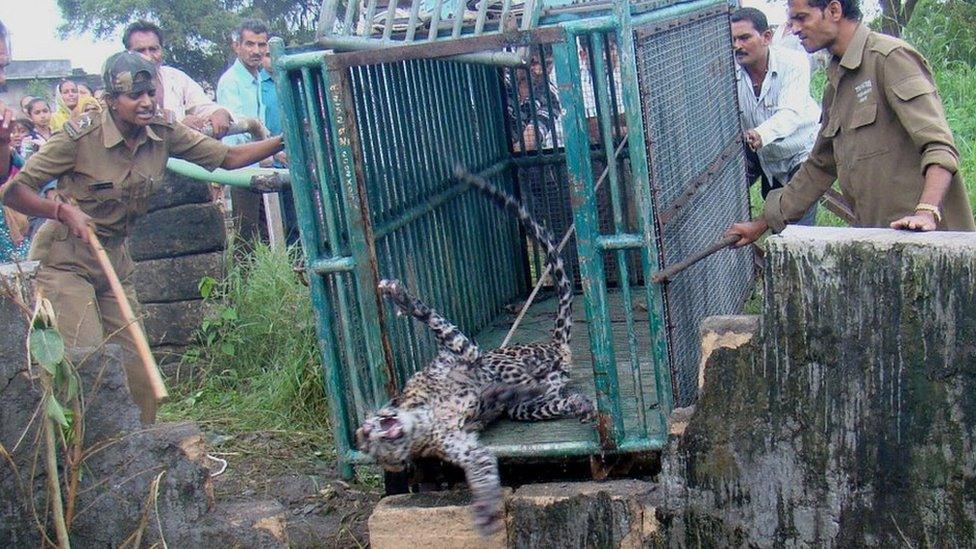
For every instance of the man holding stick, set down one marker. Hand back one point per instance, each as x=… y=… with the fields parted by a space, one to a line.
x=107 y=167
x=884 y=136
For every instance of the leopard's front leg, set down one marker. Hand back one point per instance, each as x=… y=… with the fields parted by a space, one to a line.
x=481 y=471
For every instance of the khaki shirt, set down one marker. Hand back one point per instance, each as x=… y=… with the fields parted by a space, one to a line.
x=110 y=182
x=882 y=126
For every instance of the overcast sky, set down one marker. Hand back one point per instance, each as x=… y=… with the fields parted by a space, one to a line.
x=33 y=28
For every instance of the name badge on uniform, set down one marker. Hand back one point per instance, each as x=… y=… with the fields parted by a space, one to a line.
x=863 y=91
x=101 y=186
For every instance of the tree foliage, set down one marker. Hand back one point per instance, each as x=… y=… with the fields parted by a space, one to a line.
x=197 y=32
x=944 y=31
x=895 y=15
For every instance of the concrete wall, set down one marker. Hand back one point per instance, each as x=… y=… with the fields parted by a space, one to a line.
x=849 y=417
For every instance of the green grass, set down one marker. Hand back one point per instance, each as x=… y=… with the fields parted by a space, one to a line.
x=258 y=367
x=957 y=85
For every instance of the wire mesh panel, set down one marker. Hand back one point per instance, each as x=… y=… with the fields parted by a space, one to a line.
x=691 y=119
x=537 y=136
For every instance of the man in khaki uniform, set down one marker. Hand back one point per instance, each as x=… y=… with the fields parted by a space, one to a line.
x=884 y=136
x=107 y=167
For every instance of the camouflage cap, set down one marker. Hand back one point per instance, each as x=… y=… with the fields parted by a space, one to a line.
x=126 y=72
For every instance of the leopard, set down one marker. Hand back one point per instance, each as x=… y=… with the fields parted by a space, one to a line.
x=444 y=406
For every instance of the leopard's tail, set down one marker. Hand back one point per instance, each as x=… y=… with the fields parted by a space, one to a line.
x=564 y=316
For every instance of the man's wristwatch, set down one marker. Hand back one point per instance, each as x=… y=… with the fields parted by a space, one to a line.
x=936 y=212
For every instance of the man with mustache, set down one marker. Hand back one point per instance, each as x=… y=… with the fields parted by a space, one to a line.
x=773 y=85
x=239 y=89
x=178 y=93
x=884 y=136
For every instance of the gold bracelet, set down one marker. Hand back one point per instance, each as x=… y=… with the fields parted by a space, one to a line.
x=57 y=212
x=922 y=206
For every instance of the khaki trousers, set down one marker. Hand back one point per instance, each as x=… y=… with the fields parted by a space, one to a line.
x=87 y=313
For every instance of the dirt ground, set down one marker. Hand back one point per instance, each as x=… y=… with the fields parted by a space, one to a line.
x=322 y=509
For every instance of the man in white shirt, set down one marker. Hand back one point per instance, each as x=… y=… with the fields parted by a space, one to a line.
x=177 y=93
x=780 y=118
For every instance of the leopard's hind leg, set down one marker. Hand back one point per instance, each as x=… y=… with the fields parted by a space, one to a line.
x=495 y=400
x=554 y=404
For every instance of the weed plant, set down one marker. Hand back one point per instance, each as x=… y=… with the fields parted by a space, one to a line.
x=257 y=367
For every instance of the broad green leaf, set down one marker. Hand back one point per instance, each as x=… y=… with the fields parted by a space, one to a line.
x=228 y=349
x=55 y=411
x=229 y=313
x=47 y=348
x=206 y=286
x=72 y=390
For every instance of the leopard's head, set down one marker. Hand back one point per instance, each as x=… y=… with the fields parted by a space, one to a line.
x=388 y=435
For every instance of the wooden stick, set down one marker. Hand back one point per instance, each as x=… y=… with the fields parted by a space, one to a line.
x=834 y=201
x=666 y=274
x=135 y=329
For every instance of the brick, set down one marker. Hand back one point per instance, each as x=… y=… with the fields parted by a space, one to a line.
x=440 y=519
x=183 y=230
x=176 y=190
x=615 y=514
x=174 y=323
x=175 y=278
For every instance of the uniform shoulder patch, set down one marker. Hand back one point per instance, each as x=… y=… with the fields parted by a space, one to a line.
x=885 y=44
x=81 y=126
x=164 y=117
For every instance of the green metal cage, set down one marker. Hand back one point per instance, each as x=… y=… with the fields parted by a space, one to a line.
x=642 y=155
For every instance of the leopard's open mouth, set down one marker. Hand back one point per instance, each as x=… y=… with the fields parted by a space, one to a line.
x=391 y=426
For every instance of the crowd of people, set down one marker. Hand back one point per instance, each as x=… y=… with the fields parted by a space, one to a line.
x=92 y=172
x=182 y=98
x=31 y=128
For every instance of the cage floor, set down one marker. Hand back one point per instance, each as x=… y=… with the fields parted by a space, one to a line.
x=511 y=438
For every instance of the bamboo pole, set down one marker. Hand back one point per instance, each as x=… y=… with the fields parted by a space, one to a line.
x=135 y=329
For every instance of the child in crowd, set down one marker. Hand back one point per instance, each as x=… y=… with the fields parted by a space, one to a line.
x=21 y=128
x=24 y=101
x=23 y=138
x=40 y=115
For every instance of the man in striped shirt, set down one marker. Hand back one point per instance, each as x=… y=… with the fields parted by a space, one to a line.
x=778 y=114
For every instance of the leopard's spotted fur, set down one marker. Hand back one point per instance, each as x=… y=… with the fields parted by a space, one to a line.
x=443 y=406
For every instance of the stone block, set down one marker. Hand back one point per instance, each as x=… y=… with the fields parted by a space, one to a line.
x=183 y=230
x=242 y=525
x=117 y=478
x=436 y=519
x=175 y=278
x=176 y=190
x=175 y=324
x=16 y=292
x=849 y=420
x=614 y=514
